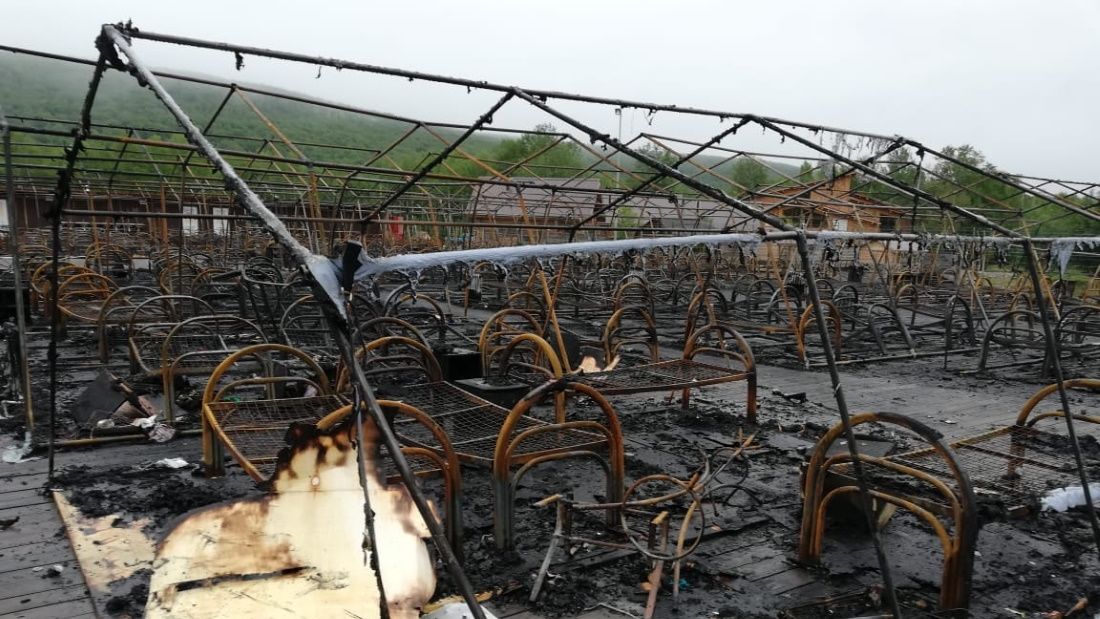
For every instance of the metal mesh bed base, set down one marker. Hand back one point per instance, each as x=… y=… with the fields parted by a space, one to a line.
x=315 y=339
x=1016 y=464
x=148 y=348
x=1019 y=463
x=473 y=425
x=255 y=430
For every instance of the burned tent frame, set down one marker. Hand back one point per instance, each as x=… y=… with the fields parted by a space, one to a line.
x=17 y=276
x=116 y=53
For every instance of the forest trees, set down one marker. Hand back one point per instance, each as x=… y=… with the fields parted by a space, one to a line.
x=749 y=175
x=542 y=153
x=965 y=178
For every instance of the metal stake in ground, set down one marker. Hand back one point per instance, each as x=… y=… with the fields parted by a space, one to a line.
x=17 y=277
x=842 y=408
x=1053 y=353
x=60 y=198
x=328 y=299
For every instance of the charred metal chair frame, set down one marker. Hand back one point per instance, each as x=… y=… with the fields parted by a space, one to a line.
x=145 y=336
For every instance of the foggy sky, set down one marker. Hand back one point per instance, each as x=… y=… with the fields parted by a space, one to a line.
x=1019 y=80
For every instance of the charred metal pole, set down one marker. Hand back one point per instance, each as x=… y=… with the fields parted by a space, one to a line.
x=486 y=118
x=800 y=240
x=55 y=264
x=60 y=199
x=17 y=276
x=1054 y=352
x=362 y=399
x=364 y=391
x=332 y=308
x=1004 y=178
x=656 y=177
x=344 y=188
x=808 y=188
x=331 y=165
x=233 y=182
x=887 y=179
x=244 y=50
x=1073 y=191
x=213 y=118
x=846 y=420
x=701 y=187
x=118 y=161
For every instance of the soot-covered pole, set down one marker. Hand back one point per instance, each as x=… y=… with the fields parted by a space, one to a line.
x=323 y=278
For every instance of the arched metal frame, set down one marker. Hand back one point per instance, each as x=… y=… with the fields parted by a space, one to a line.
x=105 y=315
x=1007 y=321
x=406 y=307
x=1025 y=417
x=958 y=547
x=387 y=325
x=702 y=302
x=505 y=482
x=214 y=437
x=834 y=322
x=173 y=363
x=375 y=358
x=142 y=335
x=617 y=335
x=741 y=354
x=498 y=331
x=443 y=457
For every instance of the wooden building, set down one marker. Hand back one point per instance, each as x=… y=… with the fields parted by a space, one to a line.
x=832 y=205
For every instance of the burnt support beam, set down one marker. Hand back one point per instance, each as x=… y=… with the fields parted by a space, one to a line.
x=60 y=198
x=669 y=171
x=846 y=420
x=656 y=177
x=329 y=301
x=246 y=50
x=1054 y=353
x=486 y=118
x=1007 y=180
x=17 y=276
x=888 y=180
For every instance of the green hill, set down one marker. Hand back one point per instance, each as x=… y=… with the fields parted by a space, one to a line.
x=33 y=87
x=41 y=88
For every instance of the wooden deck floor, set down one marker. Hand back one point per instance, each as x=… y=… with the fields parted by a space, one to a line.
x=31 y=546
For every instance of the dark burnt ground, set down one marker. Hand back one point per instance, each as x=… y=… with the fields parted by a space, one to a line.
x=146 y=490
x=78 y=365
x=126 y=480
x=1040 y=563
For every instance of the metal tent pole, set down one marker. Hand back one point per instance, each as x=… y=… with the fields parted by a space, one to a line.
x=306 y=259
x=845 y=419
x=1054 y=352
x=17 y=276
x=60 y=198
